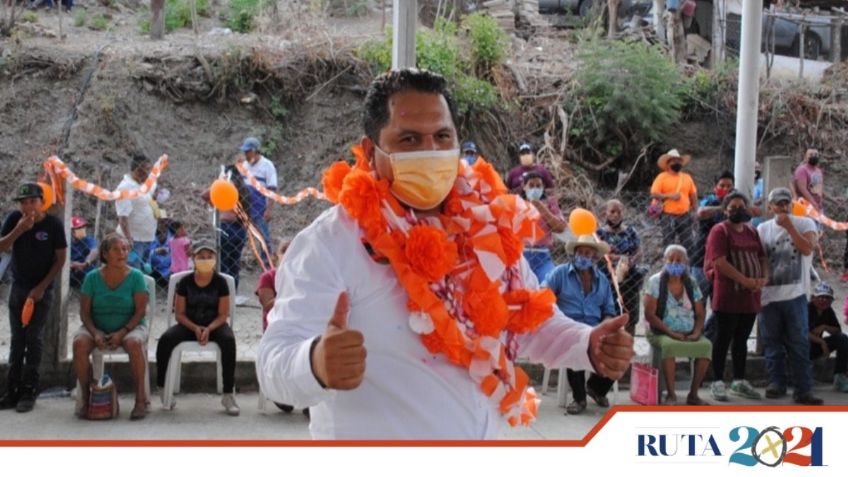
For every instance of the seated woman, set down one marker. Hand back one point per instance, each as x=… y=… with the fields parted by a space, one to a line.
x=675 y=313
x=538 y=253
x=202 y=307
x=113 y=301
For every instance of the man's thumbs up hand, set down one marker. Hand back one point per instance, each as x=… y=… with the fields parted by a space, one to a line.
x=338 y=360
x=611 y=348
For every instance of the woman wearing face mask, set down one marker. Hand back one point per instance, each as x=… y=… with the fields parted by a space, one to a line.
x=538 y=253
x=527 y=163
x=625 y=254
x=676 y=190
x=201 y=307
x=675 y=313
x=737 y=265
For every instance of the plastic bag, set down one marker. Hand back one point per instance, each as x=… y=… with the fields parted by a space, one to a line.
x=643 y=384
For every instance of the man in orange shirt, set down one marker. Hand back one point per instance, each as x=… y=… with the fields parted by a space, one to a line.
x=679 y=197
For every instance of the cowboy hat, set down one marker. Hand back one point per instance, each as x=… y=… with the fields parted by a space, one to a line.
x=662 y=162
x=587 y=241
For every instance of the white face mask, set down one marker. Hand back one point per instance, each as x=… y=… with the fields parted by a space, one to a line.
x=422 y=179
x=534 y=193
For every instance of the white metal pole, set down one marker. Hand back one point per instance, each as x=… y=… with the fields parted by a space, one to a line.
x=404 y=17
x=749 y=91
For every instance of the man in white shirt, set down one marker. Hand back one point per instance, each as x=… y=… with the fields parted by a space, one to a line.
x=789 y=242
x=264 y=172
x=337 y=298
x=136 y=220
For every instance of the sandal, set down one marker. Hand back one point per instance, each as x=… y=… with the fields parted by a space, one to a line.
x=670 y=401
x=138 y=412
x=696 y=401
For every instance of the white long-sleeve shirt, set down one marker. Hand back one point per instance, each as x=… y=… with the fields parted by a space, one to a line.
x=407 y=392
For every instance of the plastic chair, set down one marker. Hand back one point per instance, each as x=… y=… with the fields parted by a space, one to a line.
x=99 y=356
x=564 y=389
x=174 y=373
x=656 y=362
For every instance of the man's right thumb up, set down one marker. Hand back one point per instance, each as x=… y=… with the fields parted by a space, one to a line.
x=339 y=318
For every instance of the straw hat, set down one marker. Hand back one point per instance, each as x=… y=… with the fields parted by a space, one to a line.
x=587 y=241
x=663 y=160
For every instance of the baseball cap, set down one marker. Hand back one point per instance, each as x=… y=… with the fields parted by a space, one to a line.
x=78 y=222
x=469 y=146
x=28 y=190
x=250 y=144
x=780 y=194
x=203 y=245
x=525 y=147
x=823 y=289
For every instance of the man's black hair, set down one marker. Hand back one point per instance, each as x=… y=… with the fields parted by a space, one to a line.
x=174 y=225
x=525 y=178
x=138 y=160
x=725 y=175
x=376 y=114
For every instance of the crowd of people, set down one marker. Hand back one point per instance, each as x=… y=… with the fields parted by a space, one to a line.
x=343 y=287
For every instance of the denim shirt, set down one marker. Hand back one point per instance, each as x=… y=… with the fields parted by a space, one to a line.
x=589 y=308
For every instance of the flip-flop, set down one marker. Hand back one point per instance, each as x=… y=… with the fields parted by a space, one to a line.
x=696 y=402
x=138 y=412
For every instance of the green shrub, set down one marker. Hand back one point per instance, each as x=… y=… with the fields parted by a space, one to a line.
x=99 y=23
x=625 y=95
x=242 y=14
x=79 y=17
x=29 y=17
x=489 y=44
x=439 y=50
x=177 y=15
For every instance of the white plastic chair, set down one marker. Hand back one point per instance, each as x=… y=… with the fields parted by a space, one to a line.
x=174 y=373
x=564 y=389
x=98 y=356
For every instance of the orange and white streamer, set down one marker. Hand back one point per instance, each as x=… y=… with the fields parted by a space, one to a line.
x=280 y=199
x=57 y=170
x=811 y=212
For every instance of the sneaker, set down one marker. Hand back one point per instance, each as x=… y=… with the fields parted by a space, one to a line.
x=840 y=382
x=743 y=388
x=27 y=399
x=775 y=391
x=575 y=407
x=719 y=391
x=808 y=399
x=229 y=403
x=600 y=399
x=241 y=300
x=9 y=399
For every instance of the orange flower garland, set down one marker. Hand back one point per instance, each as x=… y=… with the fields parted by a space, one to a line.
x=466 y=259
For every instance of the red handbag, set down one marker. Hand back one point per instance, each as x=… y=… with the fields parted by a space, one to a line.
x=643 y=384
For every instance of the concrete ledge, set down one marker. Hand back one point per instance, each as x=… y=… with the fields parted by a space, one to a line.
x=200 y=376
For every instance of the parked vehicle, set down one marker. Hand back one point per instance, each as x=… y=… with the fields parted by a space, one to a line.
x=581 y=7
x=787 y=35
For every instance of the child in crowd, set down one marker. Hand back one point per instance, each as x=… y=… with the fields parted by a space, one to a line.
x=266 y=292
x=160 y=252
x=823 y=320
x=180 y=247
x=83 y=251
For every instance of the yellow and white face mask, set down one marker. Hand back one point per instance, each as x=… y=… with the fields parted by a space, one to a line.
x=422 y=179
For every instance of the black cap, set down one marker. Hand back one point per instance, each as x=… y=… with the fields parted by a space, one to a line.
x=28 y=190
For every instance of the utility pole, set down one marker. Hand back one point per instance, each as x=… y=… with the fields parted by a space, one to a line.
x=404 y=18
x=748 y=97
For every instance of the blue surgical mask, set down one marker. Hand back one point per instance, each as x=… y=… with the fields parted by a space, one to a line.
x=675 y=269
x=534 y=193
x=583 y=263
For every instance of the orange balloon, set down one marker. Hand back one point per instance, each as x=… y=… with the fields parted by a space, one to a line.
x=582 y=222
x=47 y=191
x=223 y=195
x=798 y=209
x=26 y=313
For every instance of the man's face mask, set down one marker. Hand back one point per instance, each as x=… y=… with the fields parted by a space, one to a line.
x=676 y=167
x=422 y=179
x=204 y=265
x=814 y=160
x=526 y=159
